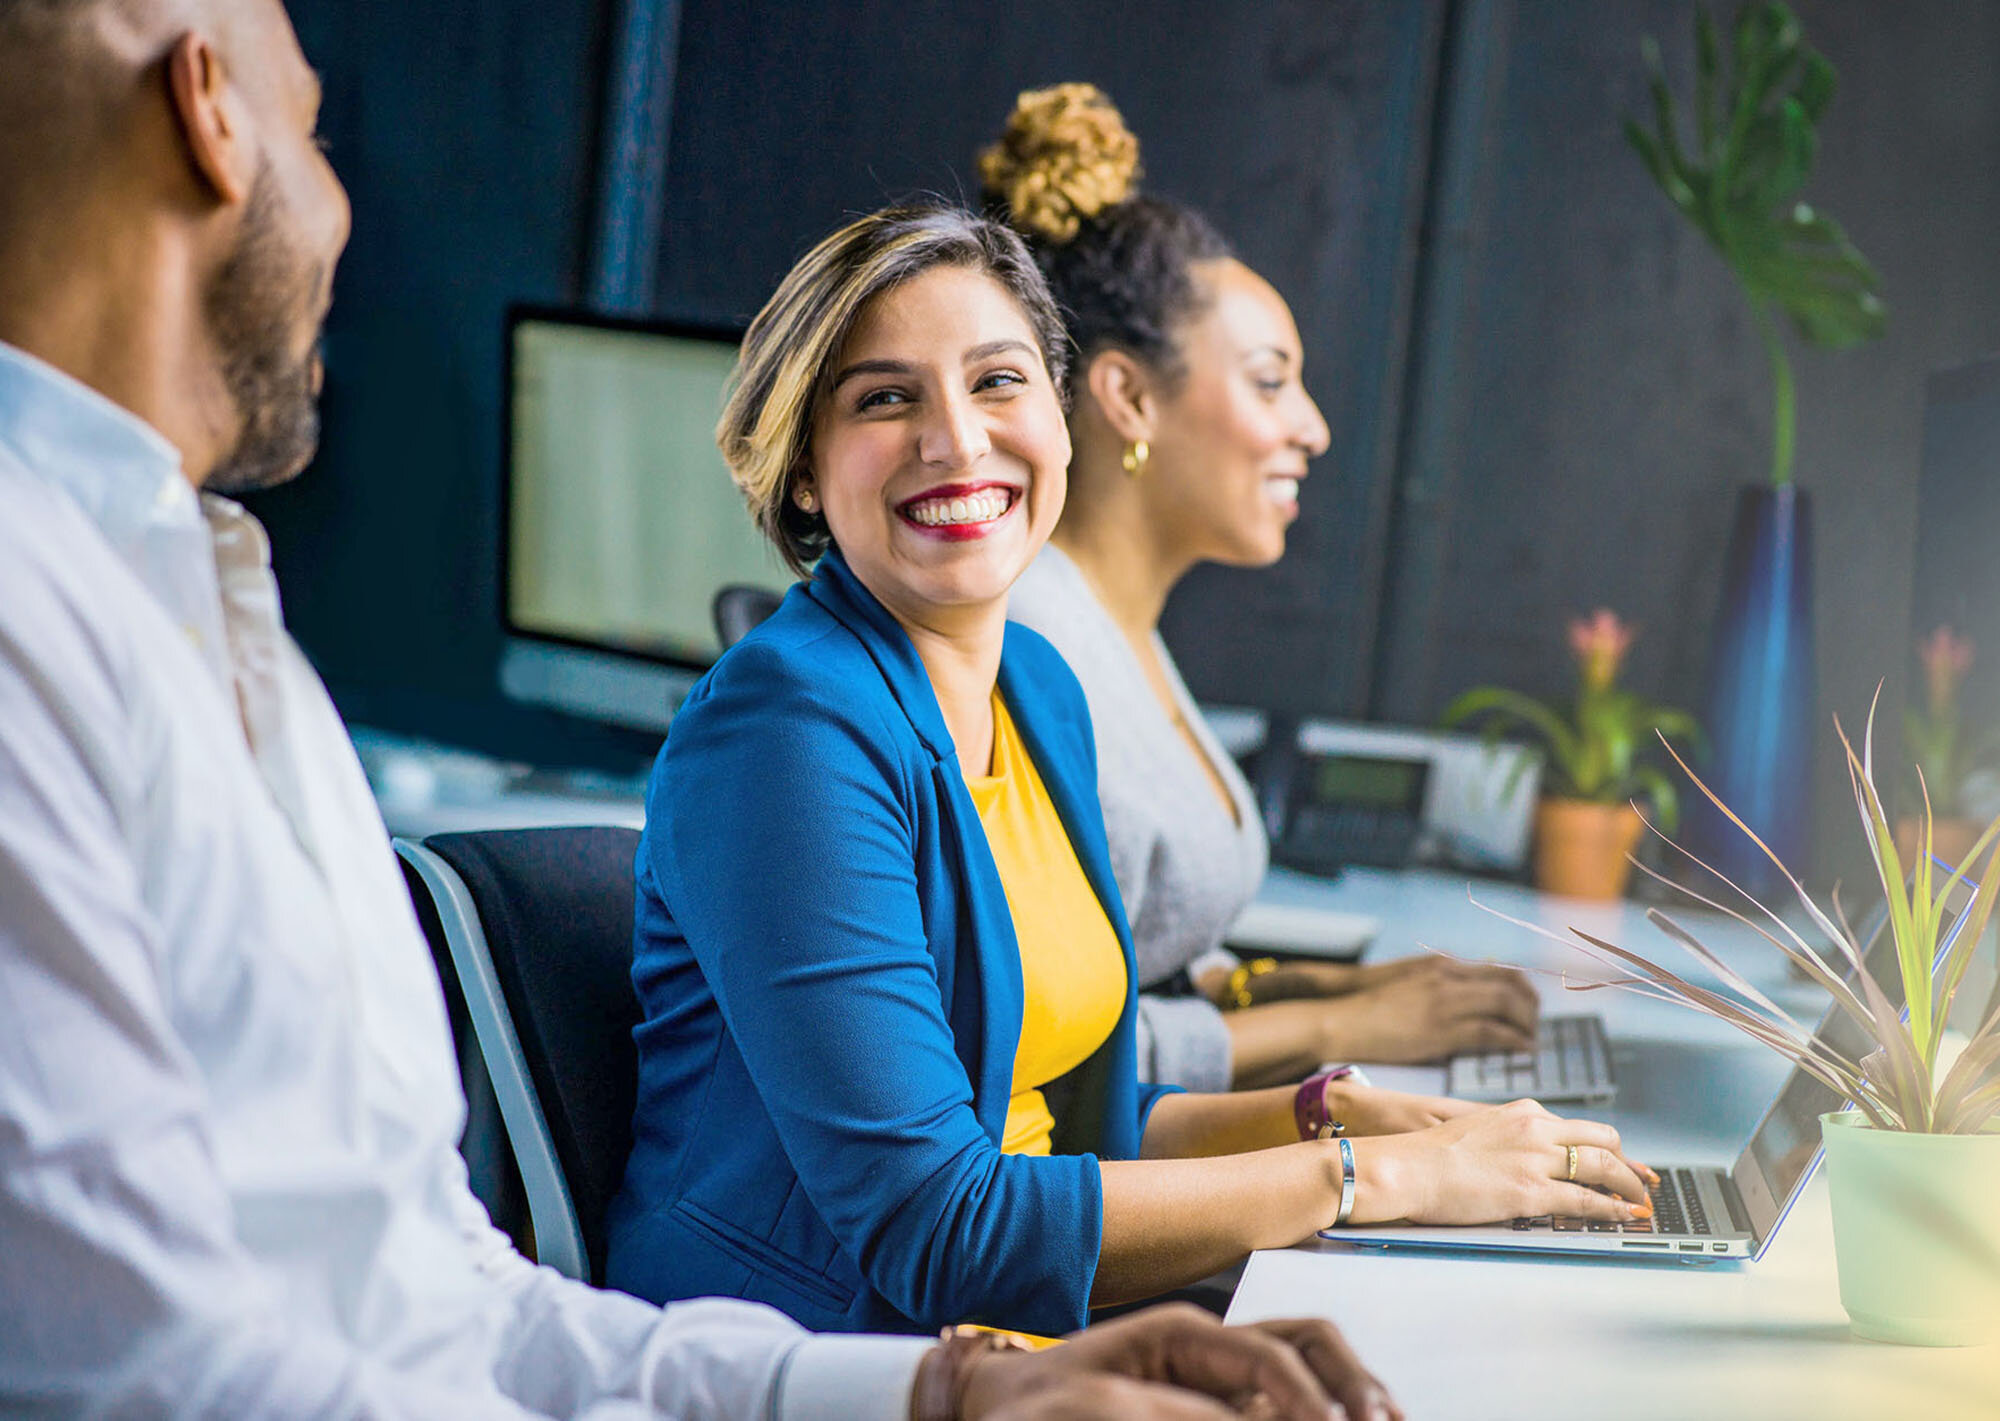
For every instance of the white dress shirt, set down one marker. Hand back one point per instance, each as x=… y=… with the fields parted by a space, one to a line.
x=228 y=1104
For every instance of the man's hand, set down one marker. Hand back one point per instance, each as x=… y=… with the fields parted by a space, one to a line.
x=1177 y=1361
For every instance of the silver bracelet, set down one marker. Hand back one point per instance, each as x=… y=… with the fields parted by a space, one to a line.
x=1346 y=1181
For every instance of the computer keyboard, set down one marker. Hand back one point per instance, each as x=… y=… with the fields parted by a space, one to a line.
x=1571 y=1063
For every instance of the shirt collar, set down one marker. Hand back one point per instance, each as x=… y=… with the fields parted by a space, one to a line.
x=119 y=469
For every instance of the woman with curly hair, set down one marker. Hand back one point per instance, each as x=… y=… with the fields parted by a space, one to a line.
x=1192 y=431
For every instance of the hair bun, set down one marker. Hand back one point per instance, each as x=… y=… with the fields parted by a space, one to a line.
x=1065 y=156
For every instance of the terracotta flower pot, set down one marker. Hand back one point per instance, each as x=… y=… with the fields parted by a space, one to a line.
x=1581 y=847
x=1951 y=839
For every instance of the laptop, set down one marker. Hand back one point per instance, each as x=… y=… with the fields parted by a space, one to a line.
x=1700 y=1212
x=1569 y=1065
x=1571 y=1062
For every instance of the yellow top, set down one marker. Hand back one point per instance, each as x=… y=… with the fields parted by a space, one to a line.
x=1072 y=968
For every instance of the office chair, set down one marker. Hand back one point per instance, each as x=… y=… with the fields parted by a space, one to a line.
x=537 y=924
x=738 y=608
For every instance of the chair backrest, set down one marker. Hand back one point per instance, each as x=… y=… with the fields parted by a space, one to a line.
x=538 y=923
x=738 y=608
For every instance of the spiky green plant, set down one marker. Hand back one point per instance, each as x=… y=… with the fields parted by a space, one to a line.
x=1755 y=138
x=1896 y=1083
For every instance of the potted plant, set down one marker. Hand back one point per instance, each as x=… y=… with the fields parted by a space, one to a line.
x=1586 y=825
x=1943 y=751
x=1737 y=178
x=1913 y=1167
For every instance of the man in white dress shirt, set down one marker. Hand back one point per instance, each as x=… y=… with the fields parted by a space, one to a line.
x=228 y=1103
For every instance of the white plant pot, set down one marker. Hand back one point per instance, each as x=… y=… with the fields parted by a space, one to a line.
x=1916 y=1235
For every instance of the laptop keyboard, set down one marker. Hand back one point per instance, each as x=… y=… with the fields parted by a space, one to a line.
x=1677 y=1210
x=1677 y=1207
x=1571 y=1062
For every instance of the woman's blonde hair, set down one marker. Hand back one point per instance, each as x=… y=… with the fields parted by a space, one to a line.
x=786 y=361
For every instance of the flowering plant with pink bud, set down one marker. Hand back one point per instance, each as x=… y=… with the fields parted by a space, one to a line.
x=1598 y=741
x=1934 y=733
x=1599 y=643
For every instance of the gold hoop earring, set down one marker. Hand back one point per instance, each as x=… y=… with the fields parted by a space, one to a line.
x=1136 y=455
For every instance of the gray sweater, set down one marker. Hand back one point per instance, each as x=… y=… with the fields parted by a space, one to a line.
x=1185 y=866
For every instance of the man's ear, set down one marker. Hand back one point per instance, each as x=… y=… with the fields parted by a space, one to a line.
x=1124 y=391
x=211 y=117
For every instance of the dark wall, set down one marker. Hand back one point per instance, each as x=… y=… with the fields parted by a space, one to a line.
x=1611 y=394
x=1543 y=387
x=1305 y=137
x=465 y=132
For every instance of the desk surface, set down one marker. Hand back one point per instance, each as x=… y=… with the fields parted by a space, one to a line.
x=1556 y=1339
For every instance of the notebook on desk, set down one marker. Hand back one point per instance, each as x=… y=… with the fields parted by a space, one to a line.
x=1700 y=1212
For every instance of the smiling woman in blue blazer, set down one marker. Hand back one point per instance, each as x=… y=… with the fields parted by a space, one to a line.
x=887 y=1075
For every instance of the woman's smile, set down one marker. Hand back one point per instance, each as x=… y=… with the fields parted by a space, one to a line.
x=961 y=512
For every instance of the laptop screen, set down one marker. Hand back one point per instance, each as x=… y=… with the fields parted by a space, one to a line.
x=1782 y=1148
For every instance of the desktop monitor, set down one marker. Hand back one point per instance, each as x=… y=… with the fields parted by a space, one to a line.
x=1957 y=581
x=619 y=520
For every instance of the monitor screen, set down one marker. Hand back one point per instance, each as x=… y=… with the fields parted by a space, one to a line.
x=1957 y=578
x=621 y=520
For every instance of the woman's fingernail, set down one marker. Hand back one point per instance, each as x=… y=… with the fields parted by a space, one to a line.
x=1639 y=1211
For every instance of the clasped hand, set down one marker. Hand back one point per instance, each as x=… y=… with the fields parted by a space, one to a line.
x=1179 y=1362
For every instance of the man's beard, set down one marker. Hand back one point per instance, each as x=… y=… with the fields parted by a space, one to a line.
x=252 y=305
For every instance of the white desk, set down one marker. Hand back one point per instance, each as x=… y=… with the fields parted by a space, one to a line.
x=1489 y=1338
x=424 y=788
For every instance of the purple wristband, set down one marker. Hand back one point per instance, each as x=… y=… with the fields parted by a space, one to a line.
x=1309 y=1105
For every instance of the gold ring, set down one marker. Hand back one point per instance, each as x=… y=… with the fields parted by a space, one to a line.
x=1571 y=1175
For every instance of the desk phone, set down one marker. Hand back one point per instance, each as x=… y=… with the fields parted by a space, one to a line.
x=1325 y=811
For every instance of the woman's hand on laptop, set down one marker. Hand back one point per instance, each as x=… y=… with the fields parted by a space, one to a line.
x=1511 y=1161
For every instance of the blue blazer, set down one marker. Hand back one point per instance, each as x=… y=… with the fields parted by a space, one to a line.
x=832 y=996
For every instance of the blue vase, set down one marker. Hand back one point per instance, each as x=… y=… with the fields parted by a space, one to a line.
x=1760 y=718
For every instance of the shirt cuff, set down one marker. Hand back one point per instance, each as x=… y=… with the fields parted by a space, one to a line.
x=850 y=1379
x=1215 y=959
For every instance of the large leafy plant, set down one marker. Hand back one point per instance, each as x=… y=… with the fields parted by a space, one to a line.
x=1895 y=1082
x=1755 y=137
x=1597 y=741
